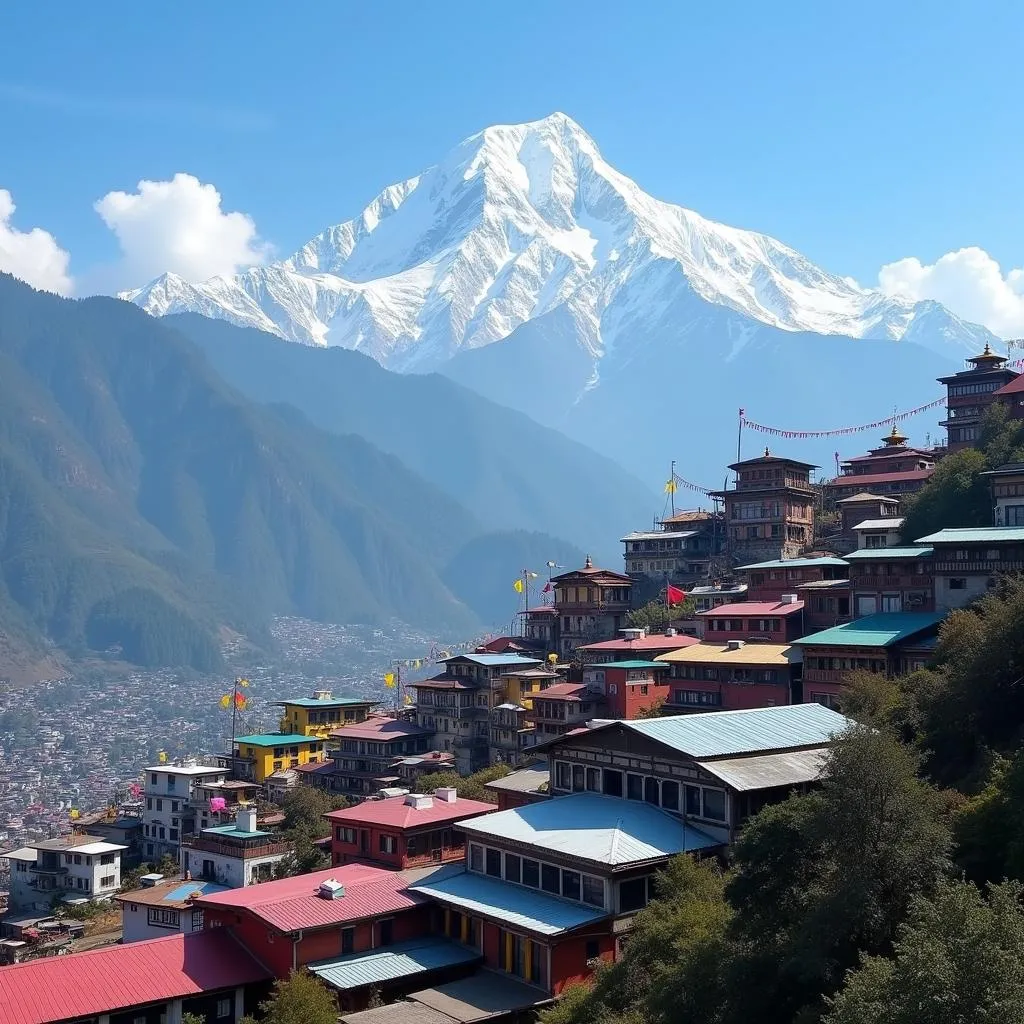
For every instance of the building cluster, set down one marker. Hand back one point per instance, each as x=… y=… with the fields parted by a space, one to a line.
x=626 y=746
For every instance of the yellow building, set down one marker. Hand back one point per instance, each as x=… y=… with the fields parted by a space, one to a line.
x=257 y=757
x=321 y=714
x=521 y=687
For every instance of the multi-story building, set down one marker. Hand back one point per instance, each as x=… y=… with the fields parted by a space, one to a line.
x=257 y=757
x=456 y=706
x=218 y=803
x=540 y=630
x=891 y=579
x=591 y=604
x=321 y=714
x=967 y=562
x=365 y=758
x=71 y=867
x=889 y=643
x=892 y=470
x=730 y=676
x=170 y=809
x=1011 y=397
x=969 y=393
x=234 y=855
x=634 y=643
x=771 y=621
x=715 y=594
x=632 y=688
x=1007 y=483
x=769 y=514
x=862 y=506
x=679 y=550
x=511 y=734
x=162 y=907
x=565 y=706
x=401 y=832
x=878 y=533
x=768 y=581
x=826 y=602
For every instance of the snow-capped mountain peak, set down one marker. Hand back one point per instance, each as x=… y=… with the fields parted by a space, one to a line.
x=521 y=221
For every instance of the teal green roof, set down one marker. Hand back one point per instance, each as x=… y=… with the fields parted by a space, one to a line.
x=976 y=535
x=399 y=960
x=277 y=739
x=231 y=830
x=632 y=664
x=880 y=630
x=793 y=563
x=874 y=554
x=330 y=702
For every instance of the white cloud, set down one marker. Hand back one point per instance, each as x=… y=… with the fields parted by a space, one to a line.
x=179 y=226
x=34 y=256
x=969 y=282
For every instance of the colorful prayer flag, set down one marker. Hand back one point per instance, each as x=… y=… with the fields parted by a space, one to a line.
x=389 y=679
x=243 y=682
x=225 y=701
x=547 y=588
x=240 y=700
x=518 y=586
x=162 y=757
x=670 y=487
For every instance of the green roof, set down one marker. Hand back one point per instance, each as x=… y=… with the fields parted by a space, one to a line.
x=631 y=664
x=976 y=535
x=793 y=563
x=881 y=630
x=873 y=554
x=277 y=739
x=327 y=702
x=233 y=831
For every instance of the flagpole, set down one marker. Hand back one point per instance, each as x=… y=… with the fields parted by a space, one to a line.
x=234 y=719
x=672 y=489
x=739 y=438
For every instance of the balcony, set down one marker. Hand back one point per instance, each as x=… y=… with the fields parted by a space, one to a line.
x=821 y=675
x=438 y=856
x=238 y=851
x=988 y=567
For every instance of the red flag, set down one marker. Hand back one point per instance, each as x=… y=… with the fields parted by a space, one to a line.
x=675 y=596
x=547 y=588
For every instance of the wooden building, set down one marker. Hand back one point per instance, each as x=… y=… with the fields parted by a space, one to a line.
x=894 y=469
x=891 y=579
x=1007 y=483
x=967 y=562
x=768 y=581
x=591 y=605
x=970 y=392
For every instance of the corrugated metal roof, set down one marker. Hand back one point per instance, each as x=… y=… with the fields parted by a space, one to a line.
x=290 y=904
x=317 y=702
x=516 y=905
x=99 y=981
x=401 y=960
x=768 y=770
x=875 y=554
x=781 y=608
x=722 y=733
x=655 y=642
x=889 y=523
x=975 y=535
x=403 y=1012
x=746 y=654
x=601 y=829
x=660 y=535
x=629 y=664
x=879 y=630
x=486 y=995
x=526 y=780
x=396 y=812
x=496 y=659
x=277 y=739
x=793 y=563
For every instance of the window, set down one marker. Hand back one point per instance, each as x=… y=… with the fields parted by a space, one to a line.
x=107 y=882
x=593 y=891
x=161 y=917
x=670 y=795
x=612 y=782
x=550 y=879
x=571 y=885
x=348 y=940
x=578 y=777
x=386 y=931
x=513 y=868
x=225 y=1008
x=152 y=779
x=563 y=775
x=957 y=583
x=476 y=857
x=159 y=805
x=634 y=787
x=714 y=804
x=107 y=858
x=197 y=921
x=651 y=790
x=632 y=894
x=493 y=863
x=531 y=873
x=387 y=844
x=594 y=780
x=593 y=950
x=693 y=800
x=345 y=835
x=149 y=803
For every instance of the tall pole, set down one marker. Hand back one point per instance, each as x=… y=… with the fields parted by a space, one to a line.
x=234 y=720
x=672 y=489
x=739 y=437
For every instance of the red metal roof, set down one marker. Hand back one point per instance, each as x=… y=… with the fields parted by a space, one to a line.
x=118 y=977
x=1015 y=387
x=380 y=729
x=645 y=643
x=562 y=691
x=445 y=683
x=291 y=904
x=396 y=812
x=749 y=608
x=866 y=479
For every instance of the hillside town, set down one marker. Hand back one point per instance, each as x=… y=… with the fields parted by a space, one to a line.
x=633 y=714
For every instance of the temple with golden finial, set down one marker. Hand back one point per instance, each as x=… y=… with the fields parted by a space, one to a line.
x=970 y=392
x=892 y=470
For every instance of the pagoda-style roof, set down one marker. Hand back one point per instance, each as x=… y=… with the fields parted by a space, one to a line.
x=590 y=574
x=987 y=360
x=768 y=459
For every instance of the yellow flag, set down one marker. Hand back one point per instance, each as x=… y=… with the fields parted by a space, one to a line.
x=74 y=814
x=518 y=586
x=670 y=487
x=408 y=698
x=243 y=682
x=389 y=679
x=162 y=757
x=225 y=701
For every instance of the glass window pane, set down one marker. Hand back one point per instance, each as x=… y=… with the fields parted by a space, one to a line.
x=494 y=863
x=651 y=790
x=670 y=795
x=635 y=787
x=577 y=777
x=550 y=879
x=693 y=800
x=593 y=891
x=632 y=894
x=594 y=778
x=513 y=868
x=476 y=857
x=612 y=782
x=531 y=873
x=714 y=804
x=571 y=885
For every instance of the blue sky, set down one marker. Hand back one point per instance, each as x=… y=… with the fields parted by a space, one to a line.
x=860 y=133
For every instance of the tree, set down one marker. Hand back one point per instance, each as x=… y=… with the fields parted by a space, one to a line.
x=657 y=614
x=955 y=495
x=192 y=1018
x=304 y=809
x=957 y=960
x=652 y=710
x=304 y=857
x=302 y=999
x=470 y=787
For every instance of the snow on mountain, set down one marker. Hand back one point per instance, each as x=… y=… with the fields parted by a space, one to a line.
x=521 y=222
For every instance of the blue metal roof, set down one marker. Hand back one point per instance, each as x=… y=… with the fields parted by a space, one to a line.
x=607 y=830
x=401 y=960
x=723 y=733
x=876 y=554
x=496 y=659
x=793 y=563
x=186 y=889
x=975 y=535
x=879 y=630
x=518 y=906
x=232 y=830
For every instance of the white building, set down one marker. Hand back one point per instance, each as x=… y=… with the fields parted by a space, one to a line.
x=234 y=855
x=170 y=804
x=71 y=867
x=873 y=534
x=162 y=907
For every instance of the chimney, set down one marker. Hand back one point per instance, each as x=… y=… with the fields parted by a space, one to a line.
x=148 y=881
x=446 y=794
x=331 y=889
x=245 y=819
x=788 y=599
x=733 y=645
x=419 y=801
